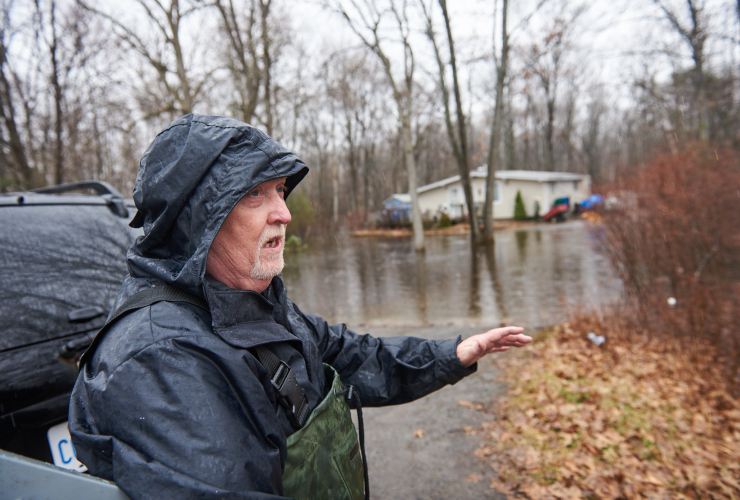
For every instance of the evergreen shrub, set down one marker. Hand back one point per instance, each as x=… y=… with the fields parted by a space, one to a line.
x=520 y=213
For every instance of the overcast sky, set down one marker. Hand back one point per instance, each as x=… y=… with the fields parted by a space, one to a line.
x=611 y=42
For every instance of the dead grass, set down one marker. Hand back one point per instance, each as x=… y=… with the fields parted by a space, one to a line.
x=637 y=417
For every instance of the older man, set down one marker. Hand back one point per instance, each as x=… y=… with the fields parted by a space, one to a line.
x=207 y=382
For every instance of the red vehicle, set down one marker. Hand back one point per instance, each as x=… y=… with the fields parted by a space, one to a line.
x=558 y=211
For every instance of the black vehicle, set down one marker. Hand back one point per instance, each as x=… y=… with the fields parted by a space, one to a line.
x=63 y=260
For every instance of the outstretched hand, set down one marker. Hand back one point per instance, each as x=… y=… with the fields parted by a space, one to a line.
x=472 y=349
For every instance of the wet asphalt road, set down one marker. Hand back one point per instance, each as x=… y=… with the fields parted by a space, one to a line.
x=435 y=465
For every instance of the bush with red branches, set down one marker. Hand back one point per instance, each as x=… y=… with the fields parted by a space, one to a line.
x=673 y=236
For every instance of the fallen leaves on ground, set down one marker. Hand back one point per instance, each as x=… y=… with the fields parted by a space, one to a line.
x=419 y=433
x=632 y=418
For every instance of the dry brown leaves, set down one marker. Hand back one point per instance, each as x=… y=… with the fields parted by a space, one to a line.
x=632 y=418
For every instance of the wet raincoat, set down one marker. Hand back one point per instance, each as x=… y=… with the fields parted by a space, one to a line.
x=171 y=403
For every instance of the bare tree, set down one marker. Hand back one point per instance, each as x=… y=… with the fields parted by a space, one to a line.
x=14 y=166
x=267 y=63
x=341 y=88
x=458 y=139
x=53 y=44
x=591 y=138
x=182 y=88
x=695 y=33
x=240 y=26
x=46 y=100
x=502 y=65
x=365 y=21
x=545 y=64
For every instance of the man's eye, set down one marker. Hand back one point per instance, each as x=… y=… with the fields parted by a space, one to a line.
x=255 y=193
x=282 y=189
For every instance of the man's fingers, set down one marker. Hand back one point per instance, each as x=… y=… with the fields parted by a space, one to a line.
x=506 y=331
x=472 y=349
x=517 y=340
x=507 y=335
x=497 y=334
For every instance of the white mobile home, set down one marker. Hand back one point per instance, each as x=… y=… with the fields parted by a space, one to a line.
x=537 y=187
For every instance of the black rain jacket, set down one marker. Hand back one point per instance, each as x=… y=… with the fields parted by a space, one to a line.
x=172 y=404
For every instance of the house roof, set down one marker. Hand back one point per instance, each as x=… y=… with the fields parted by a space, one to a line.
x=538 y=176
x=519 y=175
x=402 y=197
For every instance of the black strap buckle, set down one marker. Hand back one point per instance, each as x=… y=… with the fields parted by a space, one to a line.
x=280 y=376
x=290 y=395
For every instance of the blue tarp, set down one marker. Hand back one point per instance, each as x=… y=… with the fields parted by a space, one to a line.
x=592 y=201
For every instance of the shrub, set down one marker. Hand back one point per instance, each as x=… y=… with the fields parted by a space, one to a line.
x=444 y=221
x=520 y=213
x=293 y=241
x=673 y=239
x=294 y=244
x=302 y=214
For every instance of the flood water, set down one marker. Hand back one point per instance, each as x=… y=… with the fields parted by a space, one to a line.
x=532 y=277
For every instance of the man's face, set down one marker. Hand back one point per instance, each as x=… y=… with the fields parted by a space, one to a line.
x=247 y=252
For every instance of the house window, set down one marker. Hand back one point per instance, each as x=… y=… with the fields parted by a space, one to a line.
x=496 y=192
x=552 y=187
x=575 y=185
x=455 y=196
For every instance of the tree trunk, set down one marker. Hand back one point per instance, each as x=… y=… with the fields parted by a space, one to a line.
x=185 y=92
x=495 y=139
x=408 y=153
x=352 y=161
x=462 y=156
x=510 y=161
x=368 y=164
x=244 y=69
x=7 y=113
x=335 y=190
x=549 y=129
x=58 y=118
x=267 y=62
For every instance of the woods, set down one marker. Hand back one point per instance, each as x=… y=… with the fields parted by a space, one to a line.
x=376 y=96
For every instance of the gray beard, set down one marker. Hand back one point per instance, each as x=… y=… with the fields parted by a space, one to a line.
x=267 y=267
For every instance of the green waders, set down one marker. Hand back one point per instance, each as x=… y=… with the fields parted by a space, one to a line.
x=324 y=459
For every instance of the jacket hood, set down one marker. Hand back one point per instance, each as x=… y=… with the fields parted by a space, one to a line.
x=189 y=179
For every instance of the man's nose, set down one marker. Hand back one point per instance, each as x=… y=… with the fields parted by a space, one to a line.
x=279 y=213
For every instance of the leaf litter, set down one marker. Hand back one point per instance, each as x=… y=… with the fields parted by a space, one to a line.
x=636 y=417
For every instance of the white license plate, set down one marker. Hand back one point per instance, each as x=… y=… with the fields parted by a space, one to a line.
x=62 y=450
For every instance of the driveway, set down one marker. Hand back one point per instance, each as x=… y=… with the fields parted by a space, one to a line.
x=435 y=465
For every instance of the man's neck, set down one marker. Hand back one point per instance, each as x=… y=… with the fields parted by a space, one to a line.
x=241 y=283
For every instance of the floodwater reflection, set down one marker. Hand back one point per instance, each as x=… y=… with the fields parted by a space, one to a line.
x=532 y=276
